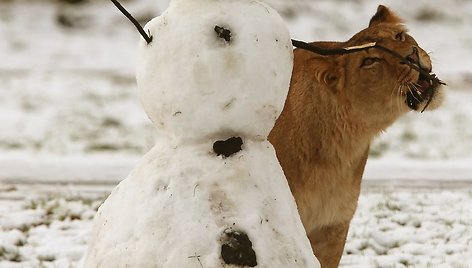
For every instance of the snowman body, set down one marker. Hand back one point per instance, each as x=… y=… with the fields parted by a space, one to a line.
x=215 y=69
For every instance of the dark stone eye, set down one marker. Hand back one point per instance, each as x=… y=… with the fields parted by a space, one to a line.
x=223 y=33
x=368 y=61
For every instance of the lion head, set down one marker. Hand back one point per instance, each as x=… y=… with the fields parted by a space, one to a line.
x=372 y=82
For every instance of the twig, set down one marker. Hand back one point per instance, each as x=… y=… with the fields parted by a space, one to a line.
x=349 y=50
x=146 y=37
x=195 y=189
x=198 y=259
x=328 y=52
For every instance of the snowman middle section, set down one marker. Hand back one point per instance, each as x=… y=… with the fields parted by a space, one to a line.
x=186 y=201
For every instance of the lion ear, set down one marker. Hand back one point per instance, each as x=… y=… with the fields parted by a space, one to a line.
x=384 y=15
x=333 y=79
x=328 y=72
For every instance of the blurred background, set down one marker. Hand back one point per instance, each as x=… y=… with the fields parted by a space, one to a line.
x=67 y=82
x=72 y=127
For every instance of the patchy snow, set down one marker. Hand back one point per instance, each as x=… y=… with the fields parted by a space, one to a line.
x=392 y=227
x=47 y=229
x=401 y=228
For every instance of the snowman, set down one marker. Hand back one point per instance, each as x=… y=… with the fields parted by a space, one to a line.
x=211 y=192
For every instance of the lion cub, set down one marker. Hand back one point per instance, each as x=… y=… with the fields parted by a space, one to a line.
x=335 y=107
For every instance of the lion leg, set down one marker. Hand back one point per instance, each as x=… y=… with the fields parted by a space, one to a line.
x=328 y=243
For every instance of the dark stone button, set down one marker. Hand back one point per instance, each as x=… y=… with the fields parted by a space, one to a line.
x=228 y=147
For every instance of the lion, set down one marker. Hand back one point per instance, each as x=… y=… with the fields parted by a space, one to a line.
x=335 y=107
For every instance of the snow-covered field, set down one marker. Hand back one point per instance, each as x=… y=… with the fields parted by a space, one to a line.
x=48 y=226
x=70 y=114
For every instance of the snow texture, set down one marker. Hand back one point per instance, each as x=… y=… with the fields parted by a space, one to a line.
x=172 y=207
x=213 y=71
x=392 y=227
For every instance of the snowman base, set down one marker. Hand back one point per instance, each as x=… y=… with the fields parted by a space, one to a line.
x=185 y=201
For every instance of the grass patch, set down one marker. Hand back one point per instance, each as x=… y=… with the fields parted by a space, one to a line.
x=62 y=208
x=47 y=258
x=429 y=14
x=10 y=255
x=20 y=242
x=378 y=149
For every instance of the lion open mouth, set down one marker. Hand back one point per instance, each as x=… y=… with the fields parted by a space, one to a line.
x=422 y=90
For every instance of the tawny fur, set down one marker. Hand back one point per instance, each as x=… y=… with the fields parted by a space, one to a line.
x=335 y=107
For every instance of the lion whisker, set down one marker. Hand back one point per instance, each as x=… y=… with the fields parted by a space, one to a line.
x=410 y=86
x=400 y=93
x=392 y=97
x=415 y=86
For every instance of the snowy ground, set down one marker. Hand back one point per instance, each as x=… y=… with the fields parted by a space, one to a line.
x=70 y=114
x=48 y=226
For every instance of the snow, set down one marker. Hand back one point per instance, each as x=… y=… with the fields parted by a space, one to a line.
x=425 y=228
x=48 y=169
x=71 y=118
x=392 y=227
x=193 y=203
x=46 y=229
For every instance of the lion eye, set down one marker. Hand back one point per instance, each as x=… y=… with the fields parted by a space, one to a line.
x=368 y=62
x=400 y=36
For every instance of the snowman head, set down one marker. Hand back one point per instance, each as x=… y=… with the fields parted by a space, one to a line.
x=210 y=74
